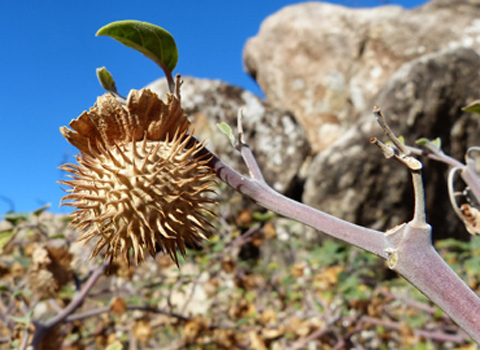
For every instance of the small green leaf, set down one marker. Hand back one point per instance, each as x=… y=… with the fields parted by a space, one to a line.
x=273 y=265
x=422 y=141
x=267 y=216
x=41 y=210
x=23 y=319
x=67 y=292
x=219 y=247
x=438 y=313
x=5 y=237
x=16 y=218
x=22 y=292
x=154 y=42
x=250 y=296
x=106 y=80
x=437 y=143
x=452 y=244
x=57 y=236
x=432 y=144
x=227 y=130
x=473 y=107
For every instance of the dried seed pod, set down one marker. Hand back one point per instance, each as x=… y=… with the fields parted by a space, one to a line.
x=50 y=270
x=140 y=178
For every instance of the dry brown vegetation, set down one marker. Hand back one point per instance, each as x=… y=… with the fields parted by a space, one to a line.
x=258 y=283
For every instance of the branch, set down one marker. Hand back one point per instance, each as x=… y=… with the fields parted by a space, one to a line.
x=42 y=329
x=418 y=262
x=436 y=155
x=102 y=310
x=437 y=336
x=263 y=195
x=408 y=248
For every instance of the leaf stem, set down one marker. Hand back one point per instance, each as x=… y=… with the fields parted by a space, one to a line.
x=169 y=77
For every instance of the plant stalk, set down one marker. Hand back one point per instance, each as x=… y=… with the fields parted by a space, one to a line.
x=418 y=261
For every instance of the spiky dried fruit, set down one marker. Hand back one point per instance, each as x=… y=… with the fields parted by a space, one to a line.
x=140 y=180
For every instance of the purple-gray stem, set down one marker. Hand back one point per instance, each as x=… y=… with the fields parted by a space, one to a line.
x=418 y=262
x=42 y=328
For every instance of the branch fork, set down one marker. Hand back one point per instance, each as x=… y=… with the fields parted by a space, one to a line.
x=407 y=248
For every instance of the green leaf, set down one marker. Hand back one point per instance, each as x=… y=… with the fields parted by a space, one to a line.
x=473 y=107
x=452 y=244
x=219 y=247
x=437 y=143
x=57 y=236
x=422 y=141
x=5 y=237
x=227 y=130
x=438 y=313
x=154 y=42
x=432 y=144
x=16 y=218
x=106 y=80
x=267 y=216
x=273 y=265
x=250 y=296
x=22 y=319
x=67 y=292
x=22 y=292
x=41 y=210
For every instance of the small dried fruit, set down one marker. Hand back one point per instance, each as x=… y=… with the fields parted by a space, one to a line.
x=143 y=331
x=297 y=269
x=118 y=306
x=50 y=270
x=471 y=218
x=140 y=179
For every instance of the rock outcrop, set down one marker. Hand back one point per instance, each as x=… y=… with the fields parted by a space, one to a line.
x=325 y=62
x=352 y=180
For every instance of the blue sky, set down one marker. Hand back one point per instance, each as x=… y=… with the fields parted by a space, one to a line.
x=47 y=72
